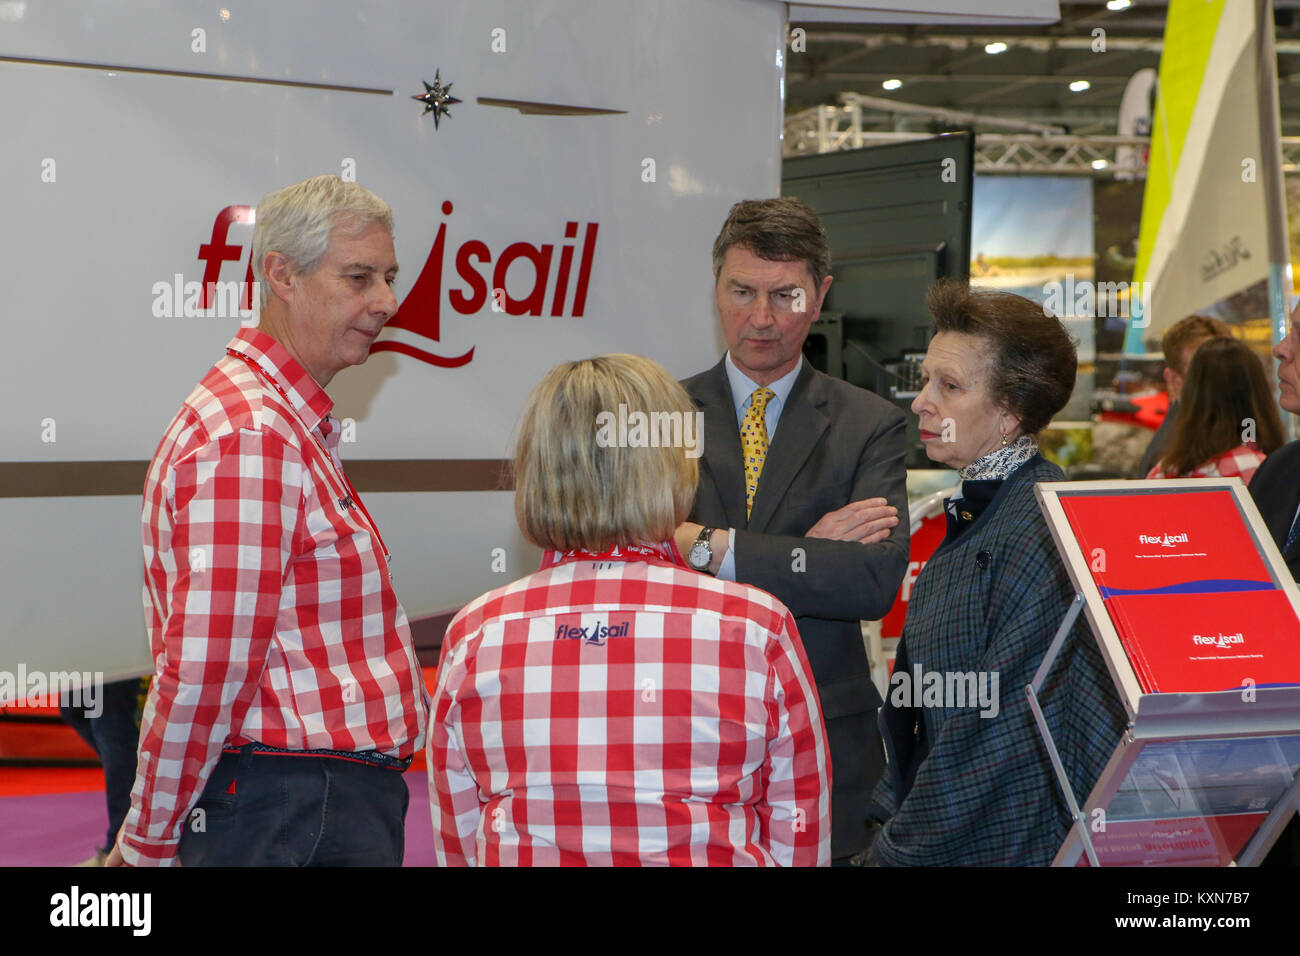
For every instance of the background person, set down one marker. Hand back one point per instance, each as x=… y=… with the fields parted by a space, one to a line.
x=813 y=511
x=1179 y=344
x=966 y=785
x=286 y=699
x=113 y=735
x=1226 y=400
x=1276 y=490
x=617 y=707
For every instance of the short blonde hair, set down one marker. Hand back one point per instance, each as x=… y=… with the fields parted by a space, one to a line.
x=574 y=490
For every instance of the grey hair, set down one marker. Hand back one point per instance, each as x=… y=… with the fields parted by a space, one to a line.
x=297 y=220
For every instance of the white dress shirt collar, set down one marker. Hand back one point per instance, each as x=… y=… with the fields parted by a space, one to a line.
x=742 y=389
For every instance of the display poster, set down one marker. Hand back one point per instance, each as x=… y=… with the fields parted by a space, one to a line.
x=1032 y=236
x=1192 y=599
x=925 y=539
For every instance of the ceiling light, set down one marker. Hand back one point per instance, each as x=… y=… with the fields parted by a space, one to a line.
x=1078 y=86
x=892 y=84
x=996 y=47
x=1118 y=4
x=1099 y=164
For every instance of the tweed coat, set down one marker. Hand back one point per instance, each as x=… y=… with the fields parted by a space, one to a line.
x=970 y=789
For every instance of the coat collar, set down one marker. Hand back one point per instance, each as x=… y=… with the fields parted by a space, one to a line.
x=1028 y=471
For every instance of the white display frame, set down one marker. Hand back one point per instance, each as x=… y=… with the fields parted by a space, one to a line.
x=1076 y=563
x=1161 y=717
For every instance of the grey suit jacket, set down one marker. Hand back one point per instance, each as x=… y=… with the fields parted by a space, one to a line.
x=1275 y=487
x=835 y=443
x=1276 y=490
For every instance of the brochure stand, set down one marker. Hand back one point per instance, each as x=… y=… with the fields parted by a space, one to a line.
x=1198 y=620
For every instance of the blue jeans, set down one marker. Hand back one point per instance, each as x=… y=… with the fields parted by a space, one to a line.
x=297 y=811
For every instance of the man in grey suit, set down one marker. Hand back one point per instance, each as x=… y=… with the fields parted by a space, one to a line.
x=802 y=486
x=1275 y=488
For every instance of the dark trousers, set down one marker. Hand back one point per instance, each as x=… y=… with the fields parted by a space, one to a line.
x=114 y=736
x=297 y=811
x=857 y=762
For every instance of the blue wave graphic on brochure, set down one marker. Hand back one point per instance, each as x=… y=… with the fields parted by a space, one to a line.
x=1217 y=586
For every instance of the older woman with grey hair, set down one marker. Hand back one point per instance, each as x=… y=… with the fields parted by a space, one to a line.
x=969 y=781
x=617 y=707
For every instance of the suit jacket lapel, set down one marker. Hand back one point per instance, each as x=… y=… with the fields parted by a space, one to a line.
x=798 y=431
x=722 y=452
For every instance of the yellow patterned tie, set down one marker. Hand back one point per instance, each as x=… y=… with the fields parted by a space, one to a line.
x=753 y=442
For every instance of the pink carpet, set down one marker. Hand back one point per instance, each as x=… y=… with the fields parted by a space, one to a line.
x=60 y=829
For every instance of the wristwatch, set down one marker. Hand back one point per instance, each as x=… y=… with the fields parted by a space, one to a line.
x=701 y=552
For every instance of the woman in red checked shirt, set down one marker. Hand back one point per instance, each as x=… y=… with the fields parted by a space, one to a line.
x=617 y=707
x=1228 y=422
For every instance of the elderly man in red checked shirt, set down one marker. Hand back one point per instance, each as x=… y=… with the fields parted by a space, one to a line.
x=617 y=707
x=286 y=699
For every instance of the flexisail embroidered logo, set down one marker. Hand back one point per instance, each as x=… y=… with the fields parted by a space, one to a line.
x=561 y=280
x=592 y=633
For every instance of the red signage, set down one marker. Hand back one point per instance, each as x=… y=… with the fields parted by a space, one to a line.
x=420 y=311
x=484 y=275
x=927 y=535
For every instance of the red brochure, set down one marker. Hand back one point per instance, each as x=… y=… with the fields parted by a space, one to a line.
x=1195 y=643
x=1192 y=599
x=1189 y=841
x=1144 y=542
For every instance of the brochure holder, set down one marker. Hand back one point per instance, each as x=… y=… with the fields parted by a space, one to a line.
x=1198 y=620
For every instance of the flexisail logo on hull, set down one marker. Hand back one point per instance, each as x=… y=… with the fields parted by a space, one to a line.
x=420 y=312
x=558 y=282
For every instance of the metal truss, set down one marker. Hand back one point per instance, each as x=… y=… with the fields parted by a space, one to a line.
x=824 y=129
x=1120 y=156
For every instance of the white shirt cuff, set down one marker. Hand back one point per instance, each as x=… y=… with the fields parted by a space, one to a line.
x=727 y=571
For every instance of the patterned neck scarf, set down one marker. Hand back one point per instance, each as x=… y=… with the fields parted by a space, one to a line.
x=1002 y=462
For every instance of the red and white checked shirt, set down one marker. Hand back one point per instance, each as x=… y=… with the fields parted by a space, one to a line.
x=627 y=712
x=1241 y=462
x=267 y=594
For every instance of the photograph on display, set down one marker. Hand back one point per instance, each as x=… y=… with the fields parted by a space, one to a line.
x=1032 y=236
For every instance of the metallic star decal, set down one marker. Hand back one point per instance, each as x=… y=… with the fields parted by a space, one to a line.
x=436 y=98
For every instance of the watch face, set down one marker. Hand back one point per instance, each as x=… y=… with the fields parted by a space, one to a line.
x=699 y=556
